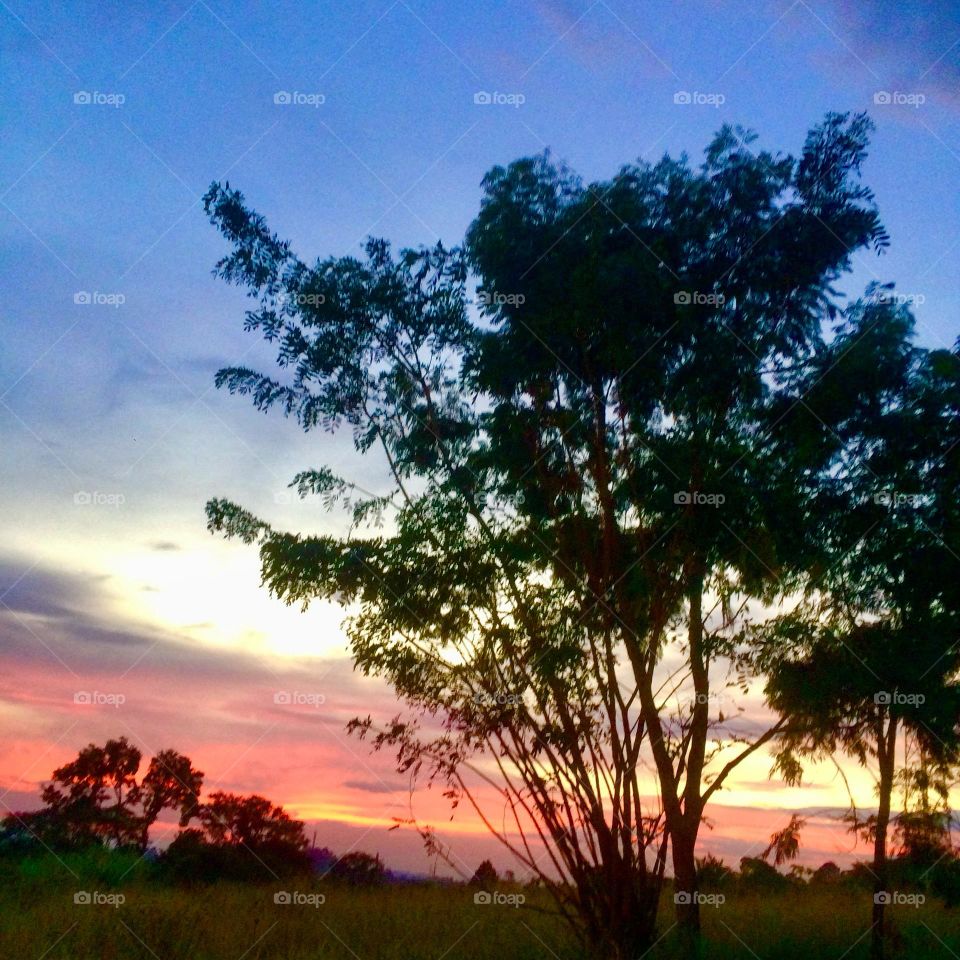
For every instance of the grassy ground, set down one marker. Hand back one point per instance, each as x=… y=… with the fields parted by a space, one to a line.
x=39 y=919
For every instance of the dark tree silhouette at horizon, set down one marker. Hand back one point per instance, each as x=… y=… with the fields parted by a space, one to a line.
x=96 y=797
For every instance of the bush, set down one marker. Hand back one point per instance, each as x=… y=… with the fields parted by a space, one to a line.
x=485 y=876
x=826 y=874
x=944 y=880
x=359 y=869
x=757 y=874
x=713 y=873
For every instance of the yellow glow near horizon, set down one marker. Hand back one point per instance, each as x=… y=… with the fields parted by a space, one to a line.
x=210 y=592
x=214 y=596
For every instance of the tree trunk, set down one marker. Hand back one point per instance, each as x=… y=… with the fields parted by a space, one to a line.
x=886 y=755
x=684 y=834
x=685 y=892
x=621 y=919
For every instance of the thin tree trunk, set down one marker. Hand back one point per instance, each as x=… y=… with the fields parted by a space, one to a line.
x=886 y=755
x=686 y=894
x=621 y=920
x=684 y=835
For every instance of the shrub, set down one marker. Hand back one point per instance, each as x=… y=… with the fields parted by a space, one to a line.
x=712 y=872
x=359 y=869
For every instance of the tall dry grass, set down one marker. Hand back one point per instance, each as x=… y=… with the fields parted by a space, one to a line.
x=39 y=919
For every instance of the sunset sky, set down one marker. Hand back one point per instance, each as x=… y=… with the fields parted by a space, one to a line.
x=118 y=117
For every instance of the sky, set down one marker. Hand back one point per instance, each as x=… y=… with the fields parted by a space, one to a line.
x=119 y=613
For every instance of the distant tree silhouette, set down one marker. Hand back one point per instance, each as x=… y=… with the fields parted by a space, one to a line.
x=485 y=876
x=321 y=859
x=28 y=832
x=98 y=794
x=758 y=875
x=244 y=838
x=712 y=872
x=596 y=475
x=170 y=783
x=826 y=873
x=234 y=820
x=96 y=798
x=359 y=869
x=922 y=829
x=191 y=859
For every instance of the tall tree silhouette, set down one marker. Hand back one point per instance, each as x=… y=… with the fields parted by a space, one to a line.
x=592 y=482
x=872 y=655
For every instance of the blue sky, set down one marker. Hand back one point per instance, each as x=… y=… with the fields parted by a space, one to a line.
x=112 y=399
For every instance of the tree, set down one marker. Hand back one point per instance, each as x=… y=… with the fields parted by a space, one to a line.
x=171 y=783
x=712 y=872
x=485 y=876
x=229 y=819
x=757 y=874
x=871 y=657
x=589 y=483
x=97 y=799
x=922 y=828
x=240 y=838
x=98 y=793
x=26 y=832
x=785 y=844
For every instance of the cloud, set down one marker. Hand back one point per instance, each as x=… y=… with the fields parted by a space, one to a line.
x=774 y=786
x=26 y=588
x=51 y=617
x=374 y=787
x=601 y=39
x=268 y=725
x=913 y=46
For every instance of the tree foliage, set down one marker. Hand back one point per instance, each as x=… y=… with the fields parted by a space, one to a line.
x=600 y=463
x=96 y=798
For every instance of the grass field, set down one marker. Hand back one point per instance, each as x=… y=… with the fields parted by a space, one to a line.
x=40 y=920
